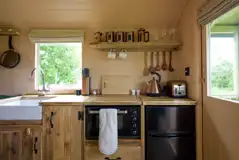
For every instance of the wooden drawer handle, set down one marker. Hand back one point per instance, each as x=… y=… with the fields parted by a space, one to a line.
x=35 y=145
x=107 y=158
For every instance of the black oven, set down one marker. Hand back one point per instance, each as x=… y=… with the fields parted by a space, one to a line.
x=128 y=121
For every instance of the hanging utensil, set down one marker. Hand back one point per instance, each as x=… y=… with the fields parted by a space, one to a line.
x=10 y=58
x=157 y=68
x=170 y=68
x=146 y=69
x=164 y=65
x=151 y=68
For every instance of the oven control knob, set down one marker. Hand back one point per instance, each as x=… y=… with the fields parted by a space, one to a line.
x=134 y=114
x=134 y=119
x=134 y=133
x=134 y=126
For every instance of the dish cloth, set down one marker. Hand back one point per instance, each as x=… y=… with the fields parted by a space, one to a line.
x=108 y=131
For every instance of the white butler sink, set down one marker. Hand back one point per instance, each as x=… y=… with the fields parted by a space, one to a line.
x=23 y=109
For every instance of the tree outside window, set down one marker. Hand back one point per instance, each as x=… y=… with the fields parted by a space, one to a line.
x=223 y=65
x=61 y=63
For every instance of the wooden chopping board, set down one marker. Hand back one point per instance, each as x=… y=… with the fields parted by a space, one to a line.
x=116 y=84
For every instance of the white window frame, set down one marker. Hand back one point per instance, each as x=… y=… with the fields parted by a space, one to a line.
x=236 y=85
x=66 y=88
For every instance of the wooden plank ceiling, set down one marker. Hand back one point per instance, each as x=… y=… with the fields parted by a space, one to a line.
x=92 y=13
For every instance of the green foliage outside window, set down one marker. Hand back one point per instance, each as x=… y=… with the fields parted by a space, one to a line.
x=222 y=78
x=60 y=63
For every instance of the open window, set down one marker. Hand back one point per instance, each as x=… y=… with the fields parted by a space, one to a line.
x=58 y=59
x=223 y=56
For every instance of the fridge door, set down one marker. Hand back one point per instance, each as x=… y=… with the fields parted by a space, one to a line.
x=170 y=119
x=170 y=148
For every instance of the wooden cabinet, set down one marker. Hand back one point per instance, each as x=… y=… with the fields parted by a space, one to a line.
x=20 y=143
x=62 y=130
x=125 y=152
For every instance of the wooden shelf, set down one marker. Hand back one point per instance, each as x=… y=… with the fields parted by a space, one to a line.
x=140 y=46
x=9 y=31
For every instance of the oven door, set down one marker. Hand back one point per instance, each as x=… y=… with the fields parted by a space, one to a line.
x=128 y=122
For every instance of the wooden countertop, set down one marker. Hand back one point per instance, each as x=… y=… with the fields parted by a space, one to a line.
x=166 y=101
x=113 y=100
x=93 y=100
x=116 y=100
x=65 y=100
x=106 y=100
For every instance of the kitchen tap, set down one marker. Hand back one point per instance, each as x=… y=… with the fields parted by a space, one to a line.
x=43 y=80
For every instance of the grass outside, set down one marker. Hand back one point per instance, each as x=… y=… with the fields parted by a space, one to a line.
x=222 y=91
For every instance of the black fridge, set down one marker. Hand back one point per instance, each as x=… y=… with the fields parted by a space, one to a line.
x=170 y=133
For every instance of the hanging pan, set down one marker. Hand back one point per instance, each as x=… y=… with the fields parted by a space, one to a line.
x=10 y=58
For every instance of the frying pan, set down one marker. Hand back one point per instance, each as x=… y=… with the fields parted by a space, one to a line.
x=10 y=58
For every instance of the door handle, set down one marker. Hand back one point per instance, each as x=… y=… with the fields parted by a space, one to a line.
x=118 y=112
x=35 y=145
x=51 y=119
x=107 y=158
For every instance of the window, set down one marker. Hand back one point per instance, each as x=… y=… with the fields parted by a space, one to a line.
x=223 y=64
x=223 y=54
x=61 y=64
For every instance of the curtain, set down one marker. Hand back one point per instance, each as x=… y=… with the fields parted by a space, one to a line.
x=55 y=36
x=214 y=9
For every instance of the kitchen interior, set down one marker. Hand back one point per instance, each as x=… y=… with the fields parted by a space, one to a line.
x=140 y=94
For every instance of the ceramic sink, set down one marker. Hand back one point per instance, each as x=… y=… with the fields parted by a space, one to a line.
x=22 y=109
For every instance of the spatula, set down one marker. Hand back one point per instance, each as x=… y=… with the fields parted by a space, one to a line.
x=151 y=68
x=157 y=67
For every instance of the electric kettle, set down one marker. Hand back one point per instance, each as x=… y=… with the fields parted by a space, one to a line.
x=153 y=87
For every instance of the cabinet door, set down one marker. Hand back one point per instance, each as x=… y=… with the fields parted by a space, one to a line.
x=19 y=143
x=124 y=152
x=37 y=144
x=171 y=148
x=62 y=133
x=77 y=133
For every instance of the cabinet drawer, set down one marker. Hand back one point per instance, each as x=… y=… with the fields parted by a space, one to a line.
x=124 y=152
x=171 y=148
x=170 y=119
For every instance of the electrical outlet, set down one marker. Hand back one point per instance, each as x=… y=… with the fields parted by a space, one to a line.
x=187 y=71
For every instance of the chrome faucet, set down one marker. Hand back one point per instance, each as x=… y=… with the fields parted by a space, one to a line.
x=43 y=80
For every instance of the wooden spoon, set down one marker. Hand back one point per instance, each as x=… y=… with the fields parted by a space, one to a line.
x=146 y=69
x=151 y=68
x=164 y=65
x=157 y=68
x=170 y=68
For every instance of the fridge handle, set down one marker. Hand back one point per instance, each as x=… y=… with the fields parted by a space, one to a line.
x=170 y=135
